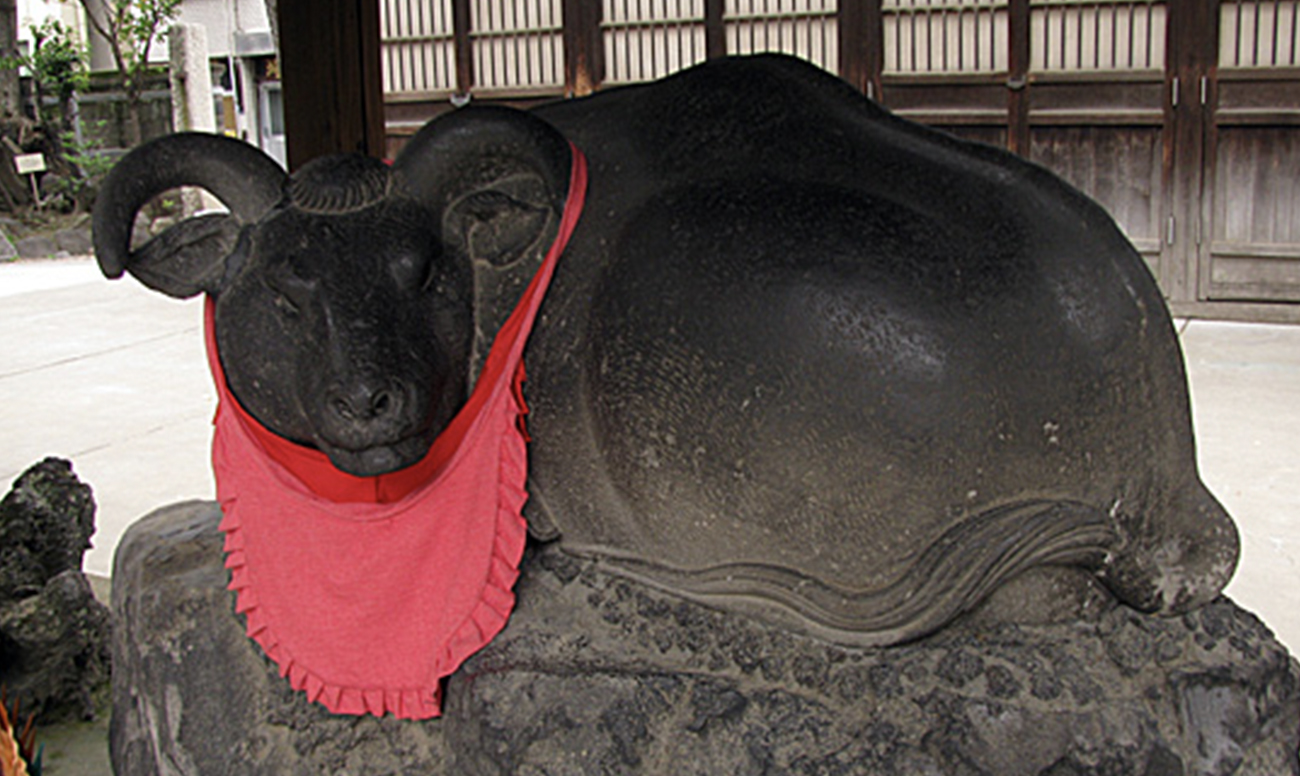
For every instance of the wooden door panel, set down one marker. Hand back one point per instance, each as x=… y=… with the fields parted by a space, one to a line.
x=1118 y=166
x=1254 y=250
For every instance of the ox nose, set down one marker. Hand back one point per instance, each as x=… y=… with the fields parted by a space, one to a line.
x=365 y=402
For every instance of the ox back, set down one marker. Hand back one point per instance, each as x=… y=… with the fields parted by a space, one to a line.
x=808 y=360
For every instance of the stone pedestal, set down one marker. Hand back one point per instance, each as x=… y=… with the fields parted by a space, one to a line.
x=598 y=675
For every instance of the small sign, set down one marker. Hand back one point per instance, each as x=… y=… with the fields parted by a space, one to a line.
x=29 y=163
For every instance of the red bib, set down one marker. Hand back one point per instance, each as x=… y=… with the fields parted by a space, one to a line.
x=367 y=591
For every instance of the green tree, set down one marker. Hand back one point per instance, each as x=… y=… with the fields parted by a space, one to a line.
x=131 y=27
x=58 y=67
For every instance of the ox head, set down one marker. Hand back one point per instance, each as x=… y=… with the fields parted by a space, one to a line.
x=345 y=293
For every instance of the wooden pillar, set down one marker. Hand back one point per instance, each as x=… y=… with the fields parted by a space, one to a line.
x=862 y=45
x=333 y=90
x=1191 y=48
x=460 y=25
x=584 y=54
x=715 y=29
x=1018 y=139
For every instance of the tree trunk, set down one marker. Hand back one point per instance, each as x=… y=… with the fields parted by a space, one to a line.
x=134 y=103
x=10 y=94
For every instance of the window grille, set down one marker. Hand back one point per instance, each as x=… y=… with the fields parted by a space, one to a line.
x=517 y=44
x=418 y=54
x=1092 y=35
x=1259 y=33
x=945 y=36
x=805 y=28
x=649 y=39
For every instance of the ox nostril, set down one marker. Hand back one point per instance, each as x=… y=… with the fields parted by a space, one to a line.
x=381 y=403
x=343 y=409
x=365 y=403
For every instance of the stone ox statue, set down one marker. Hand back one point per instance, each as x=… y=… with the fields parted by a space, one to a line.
x=801 y=359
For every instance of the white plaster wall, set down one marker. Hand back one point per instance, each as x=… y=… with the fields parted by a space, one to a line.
x=34 y=13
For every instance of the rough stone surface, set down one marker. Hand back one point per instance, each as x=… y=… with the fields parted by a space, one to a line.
x=54 y=635
x=36 y=247
x=46 y=521
x=596 y=674
x=75 y=241
x=7 y=250
x=192 y=692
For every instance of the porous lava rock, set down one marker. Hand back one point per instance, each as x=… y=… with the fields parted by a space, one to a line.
x=596 y=674
x=54 y=634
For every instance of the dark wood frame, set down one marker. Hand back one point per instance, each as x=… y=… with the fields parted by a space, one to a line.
x=333 y=88
x=334 y=102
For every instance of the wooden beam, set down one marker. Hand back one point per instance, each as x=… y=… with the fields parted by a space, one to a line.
x=1018 y=78
x=1191 y=48
x=584 y=56
x=333 y=89
x=715 y=30
x=852 y=42
x=861 y=42
x=464 y=47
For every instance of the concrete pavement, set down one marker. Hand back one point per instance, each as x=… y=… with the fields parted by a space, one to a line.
x=112 y=377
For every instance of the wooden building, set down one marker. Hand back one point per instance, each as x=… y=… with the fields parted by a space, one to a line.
x=1182 y=117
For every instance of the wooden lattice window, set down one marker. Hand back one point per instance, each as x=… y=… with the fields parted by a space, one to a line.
x=1259 y=33
x=517 y=44
x=418 y=54
x=805 y=28
x=649 y=39
x=945 y=36
x=1093 y=35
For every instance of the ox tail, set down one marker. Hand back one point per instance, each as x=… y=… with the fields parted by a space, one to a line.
x=953 y=574
x=1184 y=564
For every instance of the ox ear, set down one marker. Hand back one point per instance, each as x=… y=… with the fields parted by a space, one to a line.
x=189 y=258
x=500 y=223
x=197 y=254
x=497 y=177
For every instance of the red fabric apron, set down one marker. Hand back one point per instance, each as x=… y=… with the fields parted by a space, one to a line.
x=367 y=591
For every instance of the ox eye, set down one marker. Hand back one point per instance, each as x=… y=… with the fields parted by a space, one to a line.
x=290 y=294
x=409 y=271
x=285 y=305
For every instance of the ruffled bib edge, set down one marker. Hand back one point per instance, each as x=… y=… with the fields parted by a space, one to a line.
x=484 y=622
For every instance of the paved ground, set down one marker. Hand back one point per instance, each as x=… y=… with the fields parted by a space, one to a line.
x=112 y=377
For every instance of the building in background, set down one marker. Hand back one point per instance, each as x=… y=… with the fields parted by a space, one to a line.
x=245 y=76
x=1178 y=116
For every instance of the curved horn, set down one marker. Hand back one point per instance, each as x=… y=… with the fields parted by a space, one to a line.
x=246 y=180
x=473 y=146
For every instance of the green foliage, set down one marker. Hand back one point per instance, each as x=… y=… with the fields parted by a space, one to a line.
x=131 y=28
x=87 y=157
x=58 y=61
x=89 y=166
